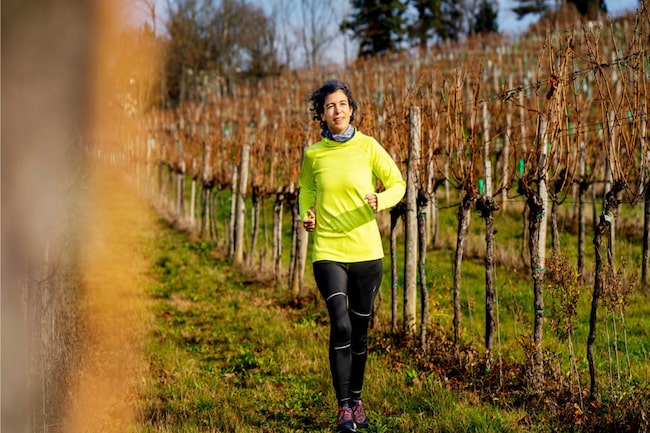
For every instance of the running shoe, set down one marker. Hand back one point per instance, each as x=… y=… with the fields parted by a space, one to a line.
x=359 y=415
x=344 y=422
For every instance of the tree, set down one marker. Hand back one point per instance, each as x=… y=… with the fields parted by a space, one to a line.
x=380 y=26
x=223 y=42
x=449 y=19
x=427 y=23
x=185 y=51
x=304 y=31
x=589 y=8
x=586 y=8
x=241 y=40
x=452 y=19
x=485 y=20
x=258 y=49
x=530 y=7
x=315 y=30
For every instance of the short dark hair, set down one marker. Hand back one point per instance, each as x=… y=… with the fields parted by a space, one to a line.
x=317 y=99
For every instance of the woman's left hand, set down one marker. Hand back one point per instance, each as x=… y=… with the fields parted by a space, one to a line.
x=372 y=201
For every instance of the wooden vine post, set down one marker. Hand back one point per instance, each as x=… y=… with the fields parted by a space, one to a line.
x=240 y=215
x=645 y=188
x=538 y=245
x=411 y=232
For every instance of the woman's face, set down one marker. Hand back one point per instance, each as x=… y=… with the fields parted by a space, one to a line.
x=337 y=112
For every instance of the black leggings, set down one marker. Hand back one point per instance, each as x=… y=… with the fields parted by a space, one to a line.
x=349 y=291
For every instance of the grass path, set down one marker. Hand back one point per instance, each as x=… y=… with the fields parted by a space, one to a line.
x=230 y=352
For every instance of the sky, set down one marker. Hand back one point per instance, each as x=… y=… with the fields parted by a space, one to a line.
x=506 y=19
x=508 y=22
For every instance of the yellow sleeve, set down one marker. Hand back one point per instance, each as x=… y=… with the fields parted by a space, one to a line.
x=307 y=183
x=385 y=169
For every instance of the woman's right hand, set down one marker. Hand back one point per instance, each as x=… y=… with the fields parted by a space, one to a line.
x=309 y=223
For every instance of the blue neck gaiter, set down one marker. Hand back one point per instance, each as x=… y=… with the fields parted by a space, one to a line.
x=341 y=138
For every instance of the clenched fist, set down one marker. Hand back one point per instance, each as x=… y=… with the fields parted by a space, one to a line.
x=309 y=223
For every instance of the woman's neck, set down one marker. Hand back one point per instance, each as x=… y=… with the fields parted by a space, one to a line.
x=342 y=137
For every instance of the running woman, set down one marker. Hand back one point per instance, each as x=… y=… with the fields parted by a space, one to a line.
x=338 y=202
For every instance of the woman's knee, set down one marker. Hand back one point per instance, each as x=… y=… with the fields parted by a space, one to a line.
x=341 y=330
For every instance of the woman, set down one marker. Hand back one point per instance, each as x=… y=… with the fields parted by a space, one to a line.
x=338 y=202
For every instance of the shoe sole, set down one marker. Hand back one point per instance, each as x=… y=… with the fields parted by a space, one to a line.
x=347 y=429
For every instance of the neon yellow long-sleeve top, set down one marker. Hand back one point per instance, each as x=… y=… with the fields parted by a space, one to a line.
x=334 y=179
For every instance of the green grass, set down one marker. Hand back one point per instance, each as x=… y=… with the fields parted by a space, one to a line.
x=514 y=289
x=230 y=351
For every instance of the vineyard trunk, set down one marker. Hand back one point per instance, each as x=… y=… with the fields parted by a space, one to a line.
x=299 y=255
x=646 y=204
x=422 y=253
x=233 y=213
x=395 y=215
x=276 y=255
x=537 y=215
x=603 y=227
x=487 y=206
x=256 y=201
x=464 y=214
